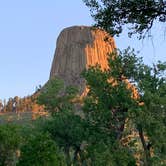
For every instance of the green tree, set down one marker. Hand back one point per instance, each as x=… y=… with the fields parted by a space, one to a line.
x=111 y=101
x=56 y=97
x=40 y=150
x=69 y=131
x=9 y=106
x=109 y=97
x=10 y=142
x=150 y=116
x=129 y=89
x=65 y=127
x=139 y=15
x=82 y=141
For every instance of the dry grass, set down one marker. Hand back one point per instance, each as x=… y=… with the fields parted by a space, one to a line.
x=20 y=117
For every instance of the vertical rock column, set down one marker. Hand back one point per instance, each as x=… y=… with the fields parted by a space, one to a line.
x=78 y=48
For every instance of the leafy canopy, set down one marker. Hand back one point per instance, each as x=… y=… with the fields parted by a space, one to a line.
x=82 y=142
x=40 y=150
x=129 y=90
x=139 y=15
x=56 y=97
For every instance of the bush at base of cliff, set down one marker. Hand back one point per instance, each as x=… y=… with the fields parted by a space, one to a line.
x=40 y=150
x=9 y=145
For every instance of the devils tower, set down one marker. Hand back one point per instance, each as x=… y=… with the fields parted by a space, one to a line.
x=77 y=48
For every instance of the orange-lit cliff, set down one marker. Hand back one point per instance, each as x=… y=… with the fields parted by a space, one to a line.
x=77 y=48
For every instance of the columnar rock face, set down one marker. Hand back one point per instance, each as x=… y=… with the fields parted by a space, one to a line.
x=78 y=48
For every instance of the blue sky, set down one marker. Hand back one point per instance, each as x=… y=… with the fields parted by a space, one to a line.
x=28 y=33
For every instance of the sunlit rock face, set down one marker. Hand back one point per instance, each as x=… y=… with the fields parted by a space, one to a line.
x=78 y=48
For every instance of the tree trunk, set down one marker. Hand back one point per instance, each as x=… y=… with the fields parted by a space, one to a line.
x=146 y=150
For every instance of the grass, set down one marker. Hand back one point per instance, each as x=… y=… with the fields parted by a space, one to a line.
x=21 y=117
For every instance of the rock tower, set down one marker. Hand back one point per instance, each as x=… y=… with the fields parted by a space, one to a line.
x=77 y=48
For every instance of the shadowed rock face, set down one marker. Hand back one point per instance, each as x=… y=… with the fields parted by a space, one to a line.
x=78 y=48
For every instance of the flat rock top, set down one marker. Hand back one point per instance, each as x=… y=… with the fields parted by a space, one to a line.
x=77 y=48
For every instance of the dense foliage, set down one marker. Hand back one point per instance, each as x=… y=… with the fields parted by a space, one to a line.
x=10 y=140
x=40 y=150
x=28 y=146
x=56 y=97
x=81 y=140
x=130 y=90
x=128 y=97
x=139 y=15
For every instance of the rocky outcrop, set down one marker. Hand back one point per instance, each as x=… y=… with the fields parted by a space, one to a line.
x=78 y=48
